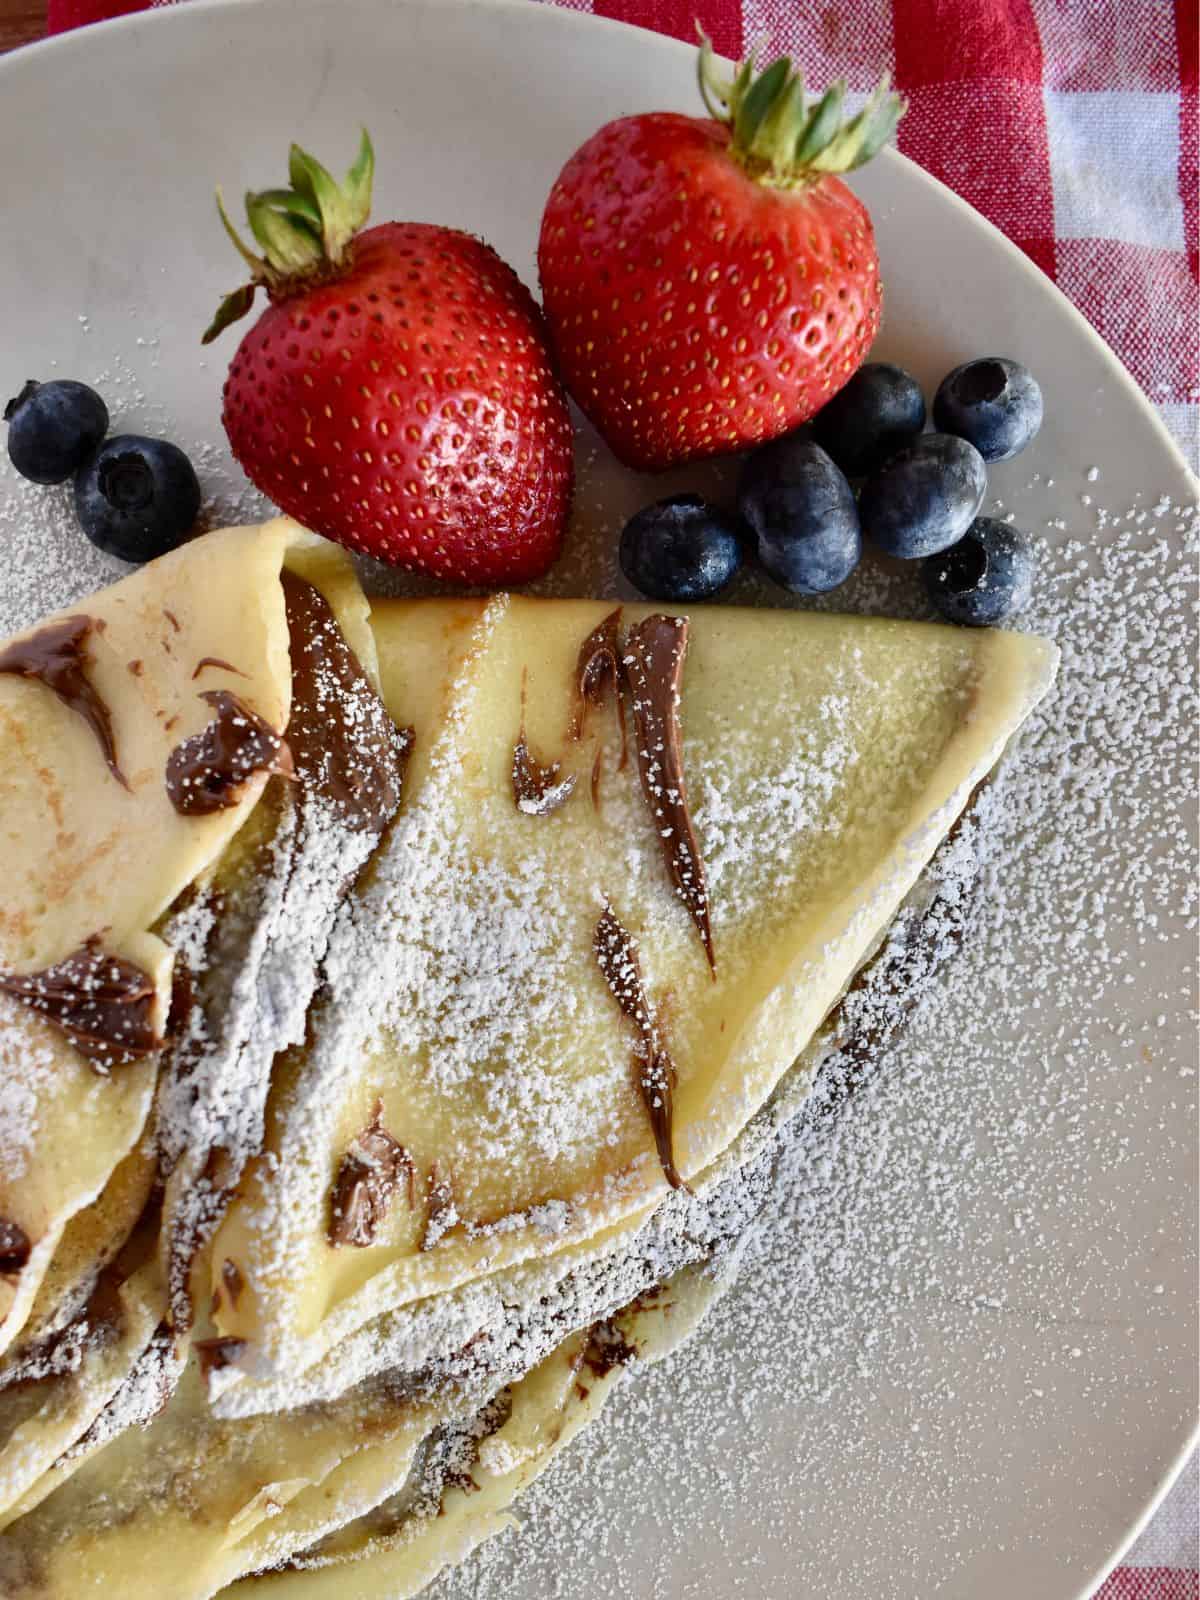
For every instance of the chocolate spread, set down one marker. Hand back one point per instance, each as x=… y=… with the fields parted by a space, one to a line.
x=215 y=661
x=538 y=790
x=102 y=1003
x=370 y=1173
x=652 y=670
x=216 y=1354
x=55 y=656
x=209 y=771
x=597 y=674
x=617 y=954
x=607 y=1348
x=14 y=1247
x=231 y=1277
x=345 y=746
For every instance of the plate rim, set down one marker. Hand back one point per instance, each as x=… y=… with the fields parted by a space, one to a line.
x=540 y=14
x=1171 y=1475
x=554 y=15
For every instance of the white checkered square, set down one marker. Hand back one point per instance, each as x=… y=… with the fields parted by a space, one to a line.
x=1183 y=424
x=825 y=42
x=1114 y=163
x=1170 y=1540
x=1094 y=44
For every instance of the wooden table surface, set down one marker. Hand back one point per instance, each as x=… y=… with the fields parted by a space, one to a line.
x=21 y=21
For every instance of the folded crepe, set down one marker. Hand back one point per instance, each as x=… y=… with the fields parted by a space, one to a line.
x=264 y=839
x=470 y=1006
x=94 y=704
x=460 y=1484
x=389 y=997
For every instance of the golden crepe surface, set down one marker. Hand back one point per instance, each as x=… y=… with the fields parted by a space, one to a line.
x=213 y=1078
x=459 y=1488
x=827 y=757
x=526 y=1058
x=242 y=1473
x=95 y=863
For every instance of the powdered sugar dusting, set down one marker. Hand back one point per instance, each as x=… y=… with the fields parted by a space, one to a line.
x=48 y=563
x=791 y=790
x=506 y=1325
x=432 y=949
x=145 y=1391
x=26 y=1087
x=480 y=936
x=911 y=1296
x=256 y=967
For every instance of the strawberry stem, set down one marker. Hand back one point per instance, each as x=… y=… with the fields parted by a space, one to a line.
x=305 y=232
x=779 y=137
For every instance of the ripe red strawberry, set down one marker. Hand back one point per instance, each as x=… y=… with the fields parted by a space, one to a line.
x=397 y=394
x=709 y=282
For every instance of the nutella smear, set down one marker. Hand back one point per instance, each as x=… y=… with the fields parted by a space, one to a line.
x=209 y=771
x=55 y=656
x=102 y=1003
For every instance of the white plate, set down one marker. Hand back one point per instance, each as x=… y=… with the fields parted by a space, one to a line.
x=989 y=1374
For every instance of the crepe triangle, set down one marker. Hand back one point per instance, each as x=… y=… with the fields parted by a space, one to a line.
x=465 y=1011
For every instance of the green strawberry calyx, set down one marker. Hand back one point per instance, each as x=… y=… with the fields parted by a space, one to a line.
x=304 y=231
x=781 y=138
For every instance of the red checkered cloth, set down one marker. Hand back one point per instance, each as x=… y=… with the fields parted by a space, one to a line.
x=1073 y=125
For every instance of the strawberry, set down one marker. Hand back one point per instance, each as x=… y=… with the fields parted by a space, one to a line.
x=710 y=282
x=396 y=394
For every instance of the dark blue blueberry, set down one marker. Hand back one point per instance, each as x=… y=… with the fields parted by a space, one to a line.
x=137 y=498
x=879 y=411
x=985 y=577
x=801 y=510
x=924 y=499
x=680 y=549
x=53 y=428
x=995 y=403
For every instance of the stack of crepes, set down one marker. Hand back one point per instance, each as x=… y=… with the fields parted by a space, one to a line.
x=398 y=1011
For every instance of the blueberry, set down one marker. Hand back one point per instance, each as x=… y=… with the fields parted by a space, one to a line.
x=995 y=403
x=983 y=578
x=801 y=510
x=879 y=411
x=680 y=549
x=53 y=428
x=925 y=498
x=137 y=498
